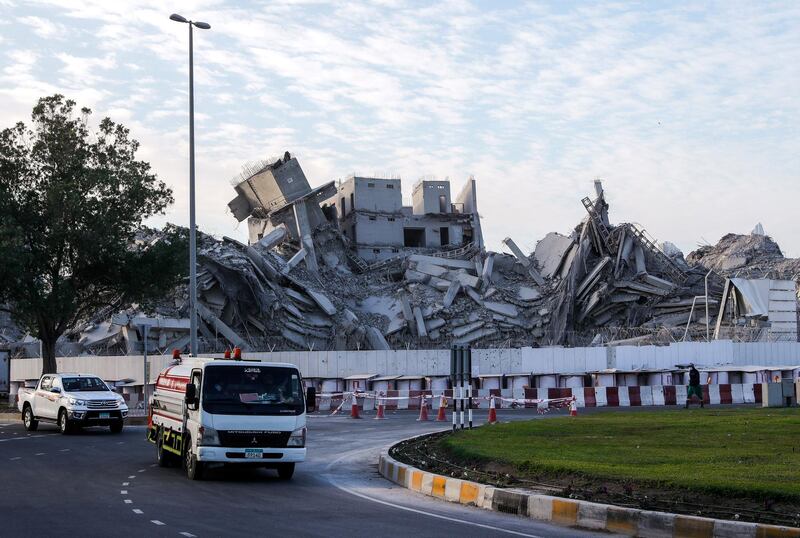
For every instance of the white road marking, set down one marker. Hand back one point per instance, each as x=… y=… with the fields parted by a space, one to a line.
x=415 y=510
x=40 y=453
x=154 y=465
x=64 y=450
x=128 y=501
x=188 y=534
x=29 y=436
x=17 y=458
x=123 y=492
x=157 y=522
x=132 y=476
x=137 y=511
x=126 y=483
x=141 y=470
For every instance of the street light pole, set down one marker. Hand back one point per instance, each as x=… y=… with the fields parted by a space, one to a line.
x=192 y=225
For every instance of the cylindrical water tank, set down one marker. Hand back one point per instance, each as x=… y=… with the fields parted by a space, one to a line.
x=330 y=385
x=572 y=381
x=438 y=384
x=546 y=381
x=490 y=383
x=415 y=384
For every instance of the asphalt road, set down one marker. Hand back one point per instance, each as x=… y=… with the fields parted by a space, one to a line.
x=98 y=484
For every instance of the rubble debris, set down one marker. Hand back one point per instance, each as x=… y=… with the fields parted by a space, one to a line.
x=524 y=261
x=600 y=284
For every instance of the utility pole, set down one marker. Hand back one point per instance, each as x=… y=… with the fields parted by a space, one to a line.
x=192 y=224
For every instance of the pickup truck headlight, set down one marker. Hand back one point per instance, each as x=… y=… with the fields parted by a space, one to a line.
x=75 y=401
x=208 y=436
x=298 y=438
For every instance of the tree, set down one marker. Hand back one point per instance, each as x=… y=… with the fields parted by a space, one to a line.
x=71 y=200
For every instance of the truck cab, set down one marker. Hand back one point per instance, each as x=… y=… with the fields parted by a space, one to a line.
x=207 y=412
x=72 y=401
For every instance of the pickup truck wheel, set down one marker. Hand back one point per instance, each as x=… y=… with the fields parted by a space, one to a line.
x=64 y=424
x=116 y=427
x=28 y=419
x=194 y=468
x=285 y=471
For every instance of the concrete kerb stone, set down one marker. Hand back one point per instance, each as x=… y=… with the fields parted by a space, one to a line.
x=572 y=512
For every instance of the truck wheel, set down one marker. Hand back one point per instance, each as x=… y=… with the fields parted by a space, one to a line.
x=285 y=471
x=28 y=419
x=194 y=468
x=64 y=424
x=116 y=427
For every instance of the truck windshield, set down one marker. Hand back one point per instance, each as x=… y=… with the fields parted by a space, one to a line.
x=83 y=384
x=252 y=390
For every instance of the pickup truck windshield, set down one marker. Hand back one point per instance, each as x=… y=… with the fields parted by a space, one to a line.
x=252 y=390
x=83 y=384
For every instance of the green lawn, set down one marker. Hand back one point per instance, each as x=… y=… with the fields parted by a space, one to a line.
x=743 y=452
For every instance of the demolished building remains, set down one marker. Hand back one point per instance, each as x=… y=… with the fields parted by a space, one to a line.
x=345 y=266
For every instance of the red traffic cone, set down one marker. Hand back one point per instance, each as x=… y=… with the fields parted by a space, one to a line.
x=441 y=416
x=354 y=408
x=492 y=412
x=573 y=408
x=423 y=409
x=380 y=415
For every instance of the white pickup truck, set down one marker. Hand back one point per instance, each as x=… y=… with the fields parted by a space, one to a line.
x=72 y=401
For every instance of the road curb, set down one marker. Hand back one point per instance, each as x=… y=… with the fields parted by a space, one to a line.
x=571 y=512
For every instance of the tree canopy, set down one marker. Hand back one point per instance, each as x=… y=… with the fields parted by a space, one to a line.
x=71 y=200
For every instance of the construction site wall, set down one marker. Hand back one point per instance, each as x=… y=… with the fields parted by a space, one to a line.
x=436 y=363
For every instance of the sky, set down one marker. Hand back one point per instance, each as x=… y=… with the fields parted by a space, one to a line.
x=688 y=111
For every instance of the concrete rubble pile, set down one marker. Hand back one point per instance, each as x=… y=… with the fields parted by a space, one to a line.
x=754 y=255
x=300 y=286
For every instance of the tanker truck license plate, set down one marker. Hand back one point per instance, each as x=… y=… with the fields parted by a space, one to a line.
x=253 y=453
x=105 y=415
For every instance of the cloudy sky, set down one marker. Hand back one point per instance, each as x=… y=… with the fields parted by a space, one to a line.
x=689 y=112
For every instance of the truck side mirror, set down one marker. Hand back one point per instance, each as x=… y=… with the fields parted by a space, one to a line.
x=311 y=399
x=56 y=390
x=191 y=396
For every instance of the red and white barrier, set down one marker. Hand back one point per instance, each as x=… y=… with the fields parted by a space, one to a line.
x=546 y=398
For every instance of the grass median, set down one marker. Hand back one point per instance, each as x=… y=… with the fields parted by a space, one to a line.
x=749 y=454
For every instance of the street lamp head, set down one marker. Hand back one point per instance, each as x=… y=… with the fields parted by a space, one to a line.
x=177 y=18
x=202 y=25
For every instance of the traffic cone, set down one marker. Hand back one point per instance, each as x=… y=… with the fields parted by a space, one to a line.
x=441 y=416
x=492 y=412
x=573 y=408
x=423 y=409
x=380 y=415
x=354 y=408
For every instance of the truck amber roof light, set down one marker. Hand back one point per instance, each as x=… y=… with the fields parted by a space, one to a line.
x=237 y=353
x=227 y=353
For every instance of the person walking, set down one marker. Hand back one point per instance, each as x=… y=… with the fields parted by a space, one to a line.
x=694 y=386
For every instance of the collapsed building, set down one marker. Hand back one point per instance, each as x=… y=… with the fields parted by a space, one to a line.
x=347 y=266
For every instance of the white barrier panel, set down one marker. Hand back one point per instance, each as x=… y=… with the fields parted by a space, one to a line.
x=624 y=397
x=737 y=393
x=713 y=394
x=646 y=395
x=748 y=393
x=658 y=395
x=680 y=394
x=600 y=396
x=580 y=401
